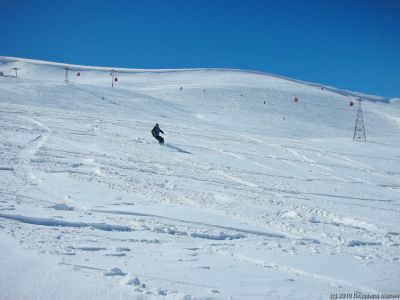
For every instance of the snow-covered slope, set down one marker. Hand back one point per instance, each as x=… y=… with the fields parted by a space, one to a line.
x=253 y=196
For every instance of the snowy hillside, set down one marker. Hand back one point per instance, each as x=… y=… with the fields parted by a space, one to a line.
x=253 y=196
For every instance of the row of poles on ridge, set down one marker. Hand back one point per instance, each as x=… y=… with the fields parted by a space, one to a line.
x=359 y=129
x=112 y=74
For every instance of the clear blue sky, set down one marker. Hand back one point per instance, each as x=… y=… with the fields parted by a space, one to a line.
x=350 y=44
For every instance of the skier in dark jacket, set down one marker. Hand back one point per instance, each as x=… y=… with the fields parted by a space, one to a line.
x=156 y=133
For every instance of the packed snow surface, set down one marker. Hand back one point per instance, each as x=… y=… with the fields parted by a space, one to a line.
x=253 y=196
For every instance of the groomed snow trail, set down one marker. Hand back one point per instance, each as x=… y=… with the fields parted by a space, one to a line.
x=245 y=200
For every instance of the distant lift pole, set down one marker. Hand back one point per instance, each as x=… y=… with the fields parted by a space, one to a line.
x=359 y=130
x=16 y=72
x=66 y=76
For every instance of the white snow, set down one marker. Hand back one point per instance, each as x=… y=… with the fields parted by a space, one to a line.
x=246 y=200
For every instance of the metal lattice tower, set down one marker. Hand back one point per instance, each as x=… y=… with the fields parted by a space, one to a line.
x=66 y=76
x=112 y=77
x=359 y=129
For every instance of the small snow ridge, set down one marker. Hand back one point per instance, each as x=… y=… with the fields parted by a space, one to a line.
x=210 y=235
x=88 y=248
x=6 y=169
x=122 y=249
x=306 y=241
x=53 y=222
x=113 y=272
x=358 y=224
x=217 y=236
x=236 y=179
x=355 y=243
x=346 y=221
x=116 y=254
x=393 y=233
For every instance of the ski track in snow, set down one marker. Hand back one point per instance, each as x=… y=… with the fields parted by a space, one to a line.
x=231 y=207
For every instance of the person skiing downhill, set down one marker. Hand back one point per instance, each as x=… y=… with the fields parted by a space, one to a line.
x=156 y=133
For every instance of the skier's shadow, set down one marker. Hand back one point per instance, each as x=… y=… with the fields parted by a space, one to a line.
x=176 y=148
